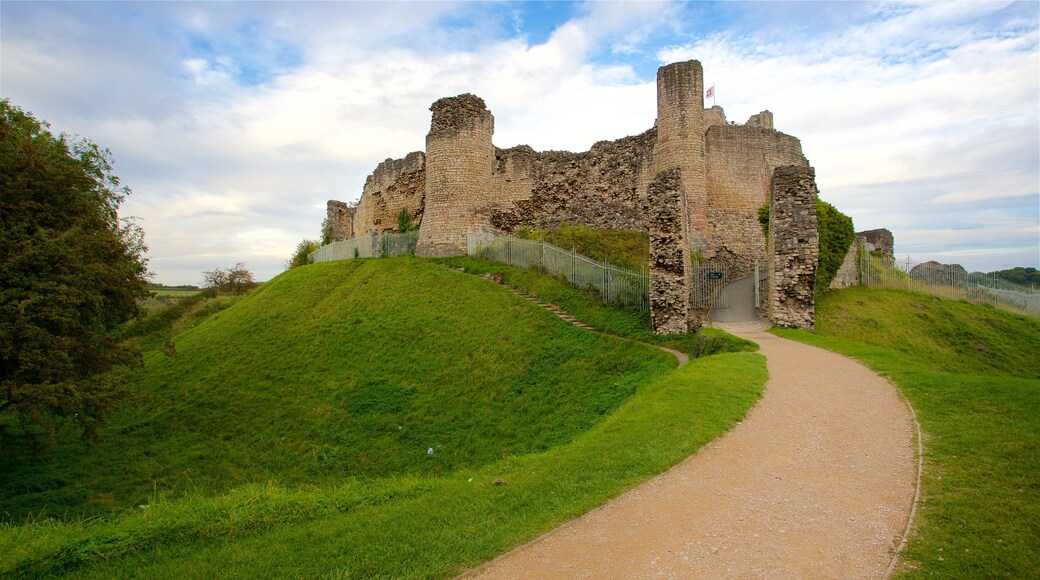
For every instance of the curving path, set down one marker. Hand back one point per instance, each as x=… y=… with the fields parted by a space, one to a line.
x=818 y=481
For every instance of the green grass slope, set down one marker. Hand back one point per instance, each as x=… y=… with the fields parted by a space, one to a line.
x=290 y=434
x=972 y=373
x=348 y=369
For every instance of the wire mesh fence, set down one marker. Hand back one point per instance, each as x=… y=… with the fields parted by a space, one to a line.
x=948 y=281
x=615 y=285
x=382 y=246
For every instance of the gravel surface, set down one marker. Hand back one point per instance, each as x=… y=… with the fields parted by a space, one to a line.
x=817 y=481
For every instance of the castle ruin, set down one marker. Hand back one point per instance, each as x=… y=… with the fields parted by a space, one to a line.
x=694 y=181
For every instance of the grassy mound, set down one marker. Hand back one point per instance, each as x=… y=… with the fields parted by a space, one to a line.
x=290 y=433
x=587 y=308
x=361 y=368
x=972 y=374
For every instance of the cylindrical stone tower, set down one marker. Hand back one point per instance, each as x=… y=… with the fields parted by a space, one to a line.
x=459 y=162
x=680 y=141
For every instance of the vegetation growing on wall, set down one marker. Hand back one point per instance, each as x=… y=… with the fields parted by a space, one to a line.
x=836 y=235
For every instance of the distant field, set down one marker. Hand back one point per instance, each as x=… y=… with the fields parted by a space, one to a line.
x=972 y=374
x=174 y=292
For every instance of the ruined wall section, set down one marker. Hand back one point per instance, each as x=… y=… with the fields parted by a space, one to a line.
x=669 y=255
x=603 y=188
x=740 y=161
x=849 y=272
x=459 y=161
x=680 y=142
x=714 y=116
x=793 y=248
x=339 y=220
x=396 y=184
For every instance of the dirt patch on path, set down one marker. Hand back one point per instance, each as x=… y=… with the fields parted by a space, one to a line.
x=818 y=481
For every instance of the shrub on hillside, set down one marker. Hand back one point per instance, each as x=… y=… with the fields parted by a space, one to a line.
x=302 y=254
x=234 y=280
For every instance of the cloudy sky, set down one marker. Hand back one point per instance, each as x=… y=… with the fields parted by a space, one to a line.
x=233 y=123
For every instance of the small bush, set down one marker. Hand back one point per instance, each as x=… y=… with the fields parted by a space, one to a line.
x=302 y=254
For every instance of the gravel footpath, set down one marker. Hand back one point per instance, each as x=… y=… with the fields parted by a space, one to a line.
x=818 y=482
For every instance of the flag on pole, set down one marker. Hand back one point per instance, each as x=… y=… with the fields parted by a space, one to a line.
x=710 y=93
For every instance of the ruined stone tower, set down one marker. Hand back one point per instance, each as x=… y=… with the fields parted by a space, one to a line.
x=680 y=142
x=459 y=162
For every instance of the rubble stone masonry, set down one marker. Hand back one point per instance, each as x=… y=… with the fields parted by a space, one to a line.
x=396 y=184
x=669 y=254
x=793 y=247
x=339 y=220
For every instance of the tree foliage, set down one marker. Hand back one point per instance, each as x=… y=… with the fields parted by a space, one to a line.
x=836 y=235
x=405 y=223
x=234 y=280
x=71 y=272
x=302 y=254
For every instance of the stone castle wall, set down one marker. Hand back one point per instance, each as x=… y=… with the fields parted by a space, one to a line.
x=669 y=254
x=396 y=184
x=339 y=220
x=793 y=248
x=603 y=188
x=741 y=160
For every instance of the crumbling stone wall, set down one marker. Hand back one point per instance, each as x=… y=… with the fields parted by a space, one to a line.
x=396 y=184
x=339 y=220
x=849 y=272
x=793 y=247
x=741 y=160
x=603 y=188
x=669 y=255
x=881 y=239
x=459 y=162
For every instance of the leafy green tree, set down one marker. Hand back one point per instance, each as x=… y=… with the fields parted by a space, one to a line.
x=234 y=280
x=71 y=272
x=302 y=255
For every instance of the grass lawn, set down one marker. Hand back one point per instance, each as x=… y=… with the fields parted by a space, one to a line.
x=972 y=373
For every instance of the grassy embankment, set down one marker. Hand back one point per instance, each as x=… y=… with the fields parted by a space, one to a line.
x=289 y=433
x=972 y=373
x=588 y=309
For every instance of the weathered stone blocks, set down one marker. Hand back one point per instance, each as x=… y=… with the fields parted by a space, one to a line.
x=339 y=220
x=680 y=141
x=793 y=247
x=459 y=162
x=669 y=254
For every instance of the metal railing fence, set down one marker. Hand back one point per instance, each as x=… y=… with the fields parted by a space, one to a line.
x=382 y=246
x=947 y=281
x=614 y=285
x=709 y=279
